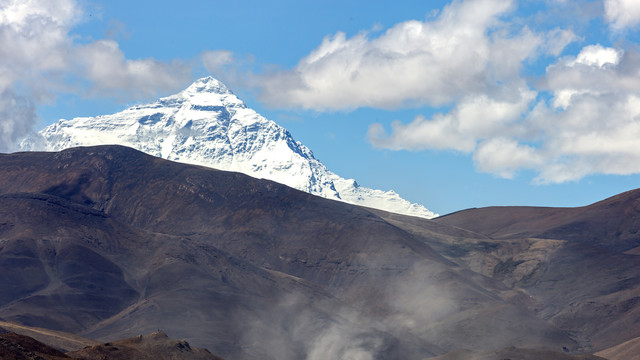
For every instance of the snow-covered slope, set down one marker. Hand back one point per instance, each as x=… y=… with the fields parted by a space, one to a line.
x=206 y=124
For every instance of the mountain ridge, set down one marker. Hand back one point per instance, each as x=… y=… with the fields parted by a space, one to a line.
x=206 y=124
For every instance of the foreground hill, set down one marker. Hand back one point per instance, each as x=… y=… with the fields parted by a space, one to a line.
x=57 y=339
x=155 y=346
x=19 y=347
x=108 y=243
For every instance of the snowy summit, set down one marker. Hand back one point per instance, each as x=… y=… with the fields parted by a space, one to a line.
x=206 y=124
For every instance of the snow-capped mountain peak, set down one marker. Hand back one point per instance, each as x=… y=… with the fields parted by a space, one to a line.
x=206 y=124
x=207 y=84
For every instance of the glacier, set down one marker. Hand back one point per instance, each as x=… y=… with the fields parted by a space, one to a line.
x=207 y=125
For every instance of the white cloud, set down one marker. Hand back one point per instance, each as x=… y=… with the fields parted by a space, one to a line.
x=471 y=120
x=595 y=70
x=105 y=65
x=596 y=134
x=558 y=39
x=504 y=157
x=18 y=13
x=39 y=58
x=622 y=14
x=465 y=50
x=467 y=56
x=596 y=55
x=213 y=60
x=590 y=125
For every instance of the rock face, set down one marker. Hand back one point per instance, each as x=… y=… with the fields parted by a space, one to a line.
x=206 y=124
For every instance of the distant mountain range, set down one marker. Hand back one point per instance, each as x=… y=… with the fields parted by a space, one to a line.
x=108 y=243
x=206 y=124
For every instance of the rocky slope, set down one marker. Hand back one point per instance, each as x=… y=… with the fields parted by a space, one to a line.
x=107 y=242
x=155 y=346
x=19 y=347
x=206 y=124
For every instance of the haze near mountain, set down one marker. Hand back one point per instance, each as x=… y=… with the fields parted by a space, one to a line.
x=206 y=124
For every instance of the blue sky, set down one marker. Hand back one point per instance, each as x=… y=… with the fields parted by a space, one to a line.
x=453 y=104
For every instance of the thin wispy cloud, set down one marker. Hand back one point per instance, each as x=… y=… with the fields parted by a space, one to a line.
x=111 y=74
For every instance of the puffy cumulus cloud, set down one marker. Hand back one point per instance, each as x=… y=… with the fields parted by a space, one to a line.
x=17 y=13
x=33 y=36
x=596 y=55
x=473 y=119
x=589 y=125
x=505 y=156
x=39 y=58
x=34 y=39
x=593 y=123
x=594 y=70
x=597 y=133
x=622 y=14
x=466 y=49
